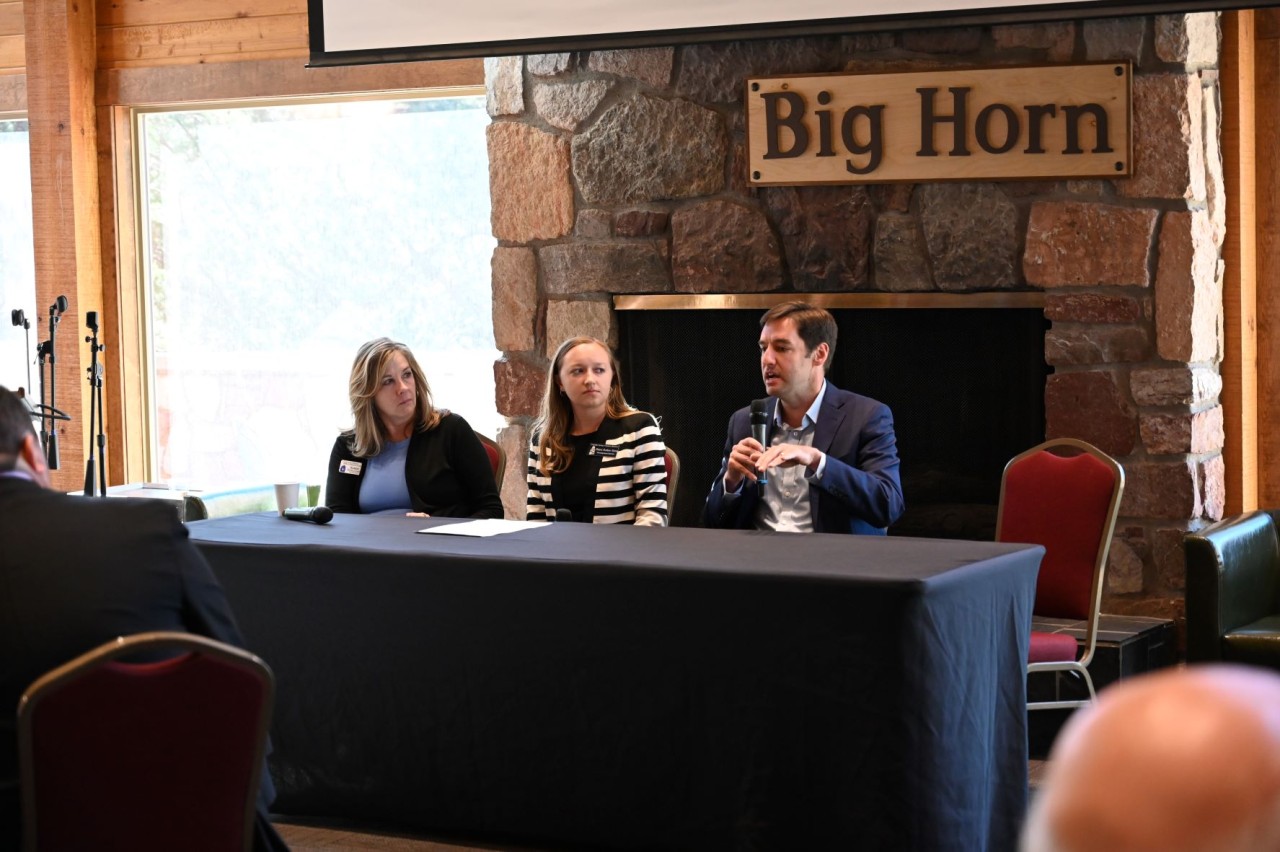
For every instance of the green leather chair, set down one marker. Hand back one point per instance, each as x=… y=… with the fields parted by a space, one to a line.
x=1233 y=591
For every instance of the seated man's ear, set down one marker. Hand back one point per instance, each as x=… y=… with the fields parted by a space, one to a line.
x=31 y=459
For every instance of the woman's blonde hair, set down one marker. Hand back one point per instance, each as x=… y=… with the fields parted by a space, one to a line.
x=556 y=419
x=370 y=433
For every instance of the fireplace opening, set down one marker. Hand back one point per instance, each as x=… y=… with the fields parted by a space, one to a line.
x=966 y=387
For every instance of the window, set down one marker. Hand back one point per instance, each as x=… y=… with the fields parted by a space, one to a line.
x=17 y=260
x=279 y=238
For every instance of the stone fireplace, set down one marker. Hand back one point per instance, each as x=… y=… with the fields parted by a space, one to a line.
x=621 y=173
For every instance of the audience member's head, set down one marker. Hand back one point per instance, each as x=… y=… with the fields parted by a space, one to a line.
x=1186 y=760
x=19 y=445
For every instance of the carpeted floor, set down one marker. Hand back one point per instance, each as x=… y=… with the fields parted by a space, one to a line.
x=319 y=837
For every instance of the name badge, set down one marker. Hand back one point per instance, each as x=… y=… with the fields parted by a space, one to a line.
x=351 y=467
x=603 y=450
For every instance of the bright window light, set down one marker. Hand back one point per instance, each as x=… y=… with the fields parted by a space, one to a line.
x=277 y=239
x=17 y=261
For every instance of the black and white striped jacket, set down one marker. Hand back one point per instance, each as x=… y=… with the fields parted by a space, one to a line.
x=631 y=485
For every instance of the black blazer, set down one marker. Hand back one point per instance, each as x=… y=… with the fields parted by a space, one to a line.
x=76 y=572
x=447 y=471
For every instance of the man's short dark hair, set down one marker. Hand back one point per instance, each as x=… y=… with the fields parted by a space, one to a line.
x=814 y=325
x=15 y=426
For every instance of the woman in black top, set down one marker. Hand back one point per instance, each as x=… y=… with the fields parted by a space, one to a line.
x=593 y=457
x=404 y=456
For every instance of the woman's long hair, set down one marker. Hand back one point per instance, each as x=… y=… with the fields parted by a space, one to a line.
x=370 y=433
x=555 y=453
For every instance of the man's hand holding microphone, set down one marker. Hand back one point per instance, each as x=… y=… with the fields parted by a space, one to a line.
x=750 y=460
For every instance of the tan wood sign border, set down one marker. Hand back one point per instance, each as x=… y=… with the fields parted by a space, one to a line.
x=1031 y=122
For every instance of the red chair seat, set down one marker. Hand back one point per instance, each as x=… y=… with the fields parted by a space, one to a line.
x=1052 y=648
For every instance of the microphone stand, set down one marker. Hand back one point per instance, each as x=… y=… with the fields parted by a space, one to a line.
x=95 y=408
x=45 y=350
x=49 y=437
x=20 y=318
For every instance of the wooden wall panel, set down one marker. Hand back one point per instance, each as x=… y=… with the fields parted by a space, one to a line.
x=231 y=39
x=11 y=17
x=12 y=41
x=138 y=13
x=281 y=78
x=13 y=54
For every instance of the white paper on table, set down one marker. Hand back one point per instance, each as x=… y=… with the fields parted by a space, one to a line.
x=485 y=527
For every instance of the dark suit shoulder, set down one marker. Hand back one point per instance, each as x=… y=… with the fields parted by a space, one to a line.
x=839 y=397
x=70 y=508
x=127 y=516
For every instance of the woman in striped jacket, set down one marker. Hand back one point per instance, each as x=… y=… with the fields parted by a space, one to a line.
x=593 y=458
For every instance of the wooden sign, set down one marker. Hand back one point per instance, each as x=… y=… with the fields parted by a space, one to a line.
x=1063 y=121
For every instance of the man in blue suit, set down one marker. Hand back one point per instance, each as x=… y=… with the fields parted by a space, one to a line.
x=830 y=456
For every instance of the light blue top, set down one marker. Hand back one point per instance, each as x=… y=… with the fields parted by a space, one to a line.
x=384 y=491
x=784 y=499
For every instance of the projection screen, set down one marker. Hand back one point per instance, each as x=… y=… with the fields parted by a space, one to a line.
x=349 y=32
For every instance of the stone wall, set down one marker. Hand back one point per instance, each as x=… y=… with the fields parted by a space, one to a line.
x=623 y=172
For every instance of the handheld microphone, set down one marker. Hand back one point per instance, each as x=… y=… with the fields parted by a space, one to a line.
x=564 y=515
x=315 y=514
x=760 y=431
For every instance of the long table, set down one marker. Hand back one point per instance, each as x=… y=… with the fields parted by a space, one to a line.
x=583 y=687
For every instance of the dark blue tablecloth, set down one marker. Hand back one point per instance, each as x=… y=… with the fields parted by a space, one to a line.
x=641 y=689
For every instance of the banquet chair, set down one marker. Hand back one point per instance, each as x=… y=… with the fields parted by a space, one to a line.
x=157 y=755
x=497 y=457
x=672 y=463
x=1068 y=504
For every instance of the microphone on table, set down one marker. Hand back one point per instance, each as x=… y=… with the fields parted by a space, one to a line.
x=315 y=514
x=564 y=515
x=760 y=431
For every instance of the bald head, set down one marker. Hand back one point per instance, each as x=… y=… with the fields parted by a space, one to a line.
x=1187 y=760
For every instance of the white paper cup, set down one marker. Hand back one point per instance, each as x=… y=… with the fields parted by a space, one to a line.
x=286 y=496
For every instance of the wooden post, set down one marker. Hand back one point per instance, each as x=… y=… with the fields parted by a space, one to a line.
x=1240 y=357
x=1267 y=77
x=61 y=59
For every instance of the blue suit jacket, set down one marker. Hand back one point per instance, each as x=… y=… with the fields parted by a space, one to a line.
x=860 y=491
